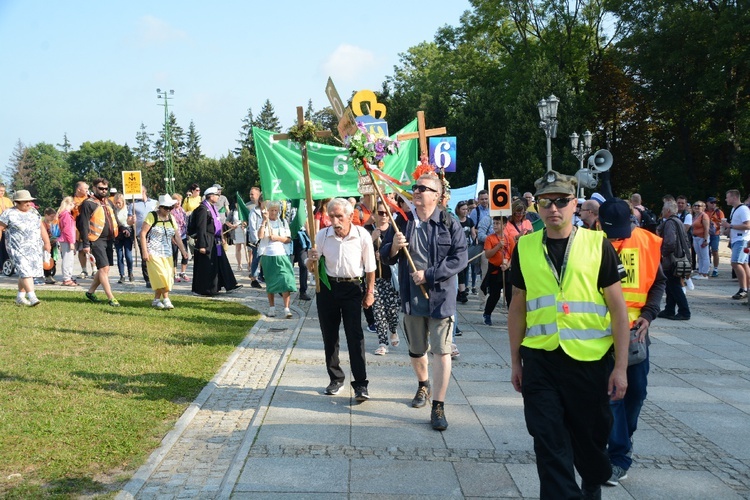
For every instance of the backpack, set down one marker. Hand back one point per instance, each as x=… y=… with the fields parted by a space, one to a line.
x=649 y=221
x=157 y=221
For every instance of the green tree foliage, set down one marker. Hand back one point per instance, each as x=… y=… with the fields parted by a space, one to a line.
x=45 y=174
x=267 y=119
x=101 y=159
x=246 y=134
x=143 y=146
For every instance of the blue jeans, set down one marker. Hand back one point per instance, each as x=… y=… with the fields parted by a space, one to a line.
x=676 y=297
x=625 y=414
x=124 y=248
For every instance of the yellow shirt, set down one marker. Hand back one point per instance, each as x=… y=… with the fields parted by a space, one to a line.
x=5 y=203
x=191 y=203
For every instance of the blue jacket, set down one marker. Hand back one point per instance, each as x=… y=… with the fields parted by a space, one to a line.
x=448 y=256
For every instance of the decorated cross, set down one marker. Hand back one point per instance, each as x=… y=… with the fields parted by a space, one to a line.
x=301 y=134
x=422 y=134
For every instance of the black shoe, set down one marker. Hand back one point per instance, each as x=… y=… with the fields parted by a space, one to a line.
x=591 y=492
x=303 y=296
x=679 y=317
x=437 y=418
x=334 y=388
x=458 y=333
x=421 y=397
x=664 y=314
x=742 y=294
x=361 y=394
x=255 y=284
x=148 y=284
x=372 y=328
x=235 y=288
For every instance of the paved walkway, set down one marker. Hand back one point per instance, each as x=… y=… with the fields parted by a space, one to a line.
x=263 y=428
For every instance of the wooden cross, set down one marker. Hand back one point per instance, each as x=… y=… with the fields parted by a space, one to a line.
x=308 y=188
x=422 y=134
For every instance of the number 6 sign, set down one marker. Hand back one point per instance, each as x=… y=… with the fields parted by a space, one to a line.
x=500 y=201
x=443 y=152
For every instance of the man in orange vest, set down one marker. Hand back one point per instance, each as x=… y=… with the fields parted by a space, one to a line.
x=98 y=228
x=643 y=288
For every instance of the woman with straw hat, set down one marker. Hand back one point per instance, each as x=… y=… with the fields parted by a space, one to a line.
x=27 y=237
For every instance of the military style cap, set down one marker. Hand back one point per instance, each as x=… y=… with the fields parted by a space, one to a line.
x=555 y=182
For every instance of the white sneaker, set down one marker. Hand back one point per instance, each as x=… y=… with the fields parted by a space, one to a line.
x=271 y=312
x=157 y=304
x=167 y=304
x=287 y=313
x=689 y=283
x=699 y=277
x=33 y=301
x=22 y=301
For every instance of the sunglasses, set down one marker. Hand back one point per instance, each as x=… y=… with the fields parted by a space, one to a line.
x=166 y=208
x=382 y=213
x=102 y=188
x=421 y=188
x=558 y=202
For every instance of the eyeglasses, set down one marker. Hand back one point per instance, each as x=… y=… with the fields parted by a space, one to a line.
x=558 y=202
x=166 y=208
x=102 y=188
x=697 y=205
x=382 y=213
x=421 y=188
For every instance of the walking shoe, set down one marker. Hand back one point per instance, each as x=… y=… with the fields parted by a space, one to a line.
x=167 y=304
x=473 y=290
x=83 y=275
x=22 y=301
x=39 y=282
x=303 y=296
x=437 y=418
x=679 y=317
x=157 y=304
x=591 y=492
x=148 y=284
x=460 y=297
x=618 y=474
x=382 y=350
x=421 y=397
x=231 y=290
x=740 y=295
x=177 y=278
x=271 y=312
x=372 y=329
x=255 y=284
x=121 y=280
x=715 y=274
x=699 y=277
x=130 y=278
x=185 y=277
x=114 y=303
x=361 y=394
x=334 y=388
x=689 y=284
x=49 y=280
x=34 y=301
x=92 y=297
x=664 y=314
x=287 y=313
x=487 y=319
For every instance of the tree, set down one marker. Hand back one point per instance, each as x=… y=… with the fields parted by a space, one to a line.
x=50 y=177
x=267 y=119
x=65 y=146
x=105 y=159
x=20 y=169
x=143 y=147
x=246 y=134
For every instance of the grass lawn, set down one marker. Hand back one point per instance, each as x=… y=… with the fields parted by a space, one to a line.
x=87 y=391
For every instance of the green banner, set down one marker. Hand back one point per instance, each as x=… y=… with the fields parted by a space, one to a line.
x=331 y=174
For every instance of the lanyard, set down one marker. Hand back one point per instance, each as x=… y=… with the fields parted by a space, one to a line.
x=559 y=277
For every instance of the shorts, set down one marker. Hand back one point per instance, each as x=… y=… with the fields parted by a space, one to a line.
x=103 y=250
x=79 y=246
x=738 y=252
x=424 y=334
x=713 y=244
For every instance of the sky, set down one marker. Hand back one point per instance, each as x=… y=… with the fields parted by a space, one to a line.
x=90 y=69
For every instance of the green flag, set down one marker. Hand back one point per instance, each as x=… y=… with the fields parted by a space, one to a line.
x=242 y=210
x=299 y=217
x=331 y=172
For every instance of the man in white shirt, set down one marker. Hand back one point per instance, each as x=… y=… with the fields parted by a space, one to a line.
x=347 y=253
x=737 y=227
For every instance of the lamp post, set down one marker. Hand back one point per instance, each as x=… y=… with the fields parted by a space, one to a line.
x=581 y=150
x=168 y=155
x=548 y=115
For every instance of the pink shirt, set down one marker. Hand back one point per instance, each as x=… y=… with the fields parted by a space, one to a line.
x=67 y=228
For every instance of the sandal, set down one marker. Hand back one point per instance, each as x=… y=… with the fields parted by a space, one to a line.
x=69 y=283
x=454 y=351
x=382 y=350
x=394 y=339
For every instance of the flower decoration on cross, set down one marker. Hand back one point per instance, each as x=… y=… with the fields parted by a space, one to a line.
x=365 y=149
x=302 y=133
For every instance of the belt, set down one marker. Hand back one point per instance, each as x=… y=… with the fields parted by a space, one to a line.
x=344 y=280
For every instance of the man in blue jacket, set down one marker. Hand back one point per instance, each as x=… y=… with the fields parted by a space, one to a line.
x=438 y=249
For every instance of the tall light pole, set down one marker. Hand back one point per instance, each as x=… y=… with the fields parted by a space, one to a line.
x=548 y=115
x=168 y=154
x=581 y=150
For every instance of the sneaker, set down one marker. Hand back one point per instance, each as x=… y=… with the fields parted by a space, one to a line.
x=473 y=290
x=689 y=283
x=167 y=304
x=487 y=319
x=83 y=275
x=34 y=301
x=271 y=312
x=255 y=284
x=334 y=388
x=157 y=304
x=287 y=313
x=303 y=296
x=130 y=279
x=679 y=317
x=421 y=397
x=177 y=278
x=715 y=274
x=618 y=474
x=664 y=314
x=92 y=297
x=39 y=282
x=185 y=277
x=148 y=284
x=121 y=280
x=372 y=329
x=382 y=350
x=113 y=303
x=437 y=418
x=361 y=394
x=49 y=280
x=460 y=297
x=699 y=277
x=741 y=294
x=22 y=301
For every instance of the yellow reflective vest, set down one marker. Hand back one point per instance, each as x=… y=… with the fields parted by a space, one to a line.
x=572 y=314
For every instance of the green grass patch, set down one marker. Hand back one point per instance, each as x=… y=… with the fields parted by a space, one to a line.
x=87 y=391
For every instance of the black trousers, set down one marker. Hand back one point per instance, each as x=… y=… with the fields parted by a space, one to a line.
x=144 y=269
x=567 y=413
x=299 y=255
x=495 y=285
x=342 y=302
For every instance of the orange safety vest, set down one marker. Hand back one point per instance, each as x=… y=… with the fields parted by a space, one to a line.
x=97 y=221
x=640 y=255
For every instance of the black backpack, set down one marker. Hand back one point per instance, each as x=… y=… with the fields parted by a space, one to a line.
x=649 y=221
x=157 y=221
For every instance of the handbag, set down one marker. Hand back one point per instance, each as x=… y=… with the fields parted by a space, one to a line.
x=637 y=351
x=680 y=267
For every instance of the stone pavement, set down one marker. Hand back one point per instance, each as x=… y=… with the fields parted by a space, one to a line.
x=263 y=428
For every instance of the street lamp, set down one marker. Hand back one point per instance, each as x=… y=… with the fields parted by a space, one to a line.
x=548 y=114
x=581 y=150
x=168 y=154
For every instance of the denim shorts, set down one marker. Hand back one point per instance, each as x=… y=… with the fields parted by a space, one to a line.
x=714 y=243
x=738 y=252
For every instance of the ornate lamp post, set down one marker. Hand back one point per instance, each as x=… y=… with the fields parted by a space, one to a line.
x=548 y=115
x=581 y=150
x=168 y=154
